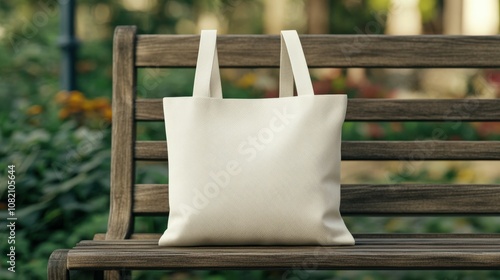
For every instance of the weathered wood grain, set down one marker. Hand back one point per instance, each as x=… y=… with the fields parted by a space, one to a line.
x=421 y=150
x=146 y=239
x=123 y=134
x=382 y=110
x=395 y=199
x=375 y=150
x=101 y=236
x=148 y=198
x=420 y=199
x=419 y=238
x=327 y=51
x=57 y=269
x=386 y=253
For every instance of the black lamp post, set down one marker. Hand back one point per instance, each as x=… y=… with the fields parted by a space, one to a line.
x=68 y=44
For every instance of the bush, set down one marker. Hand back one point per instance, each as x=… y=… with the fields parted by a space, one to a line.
x=62 y=185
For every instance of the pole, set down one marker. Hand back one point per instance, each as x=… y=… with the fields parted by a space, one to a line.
x=68 y=44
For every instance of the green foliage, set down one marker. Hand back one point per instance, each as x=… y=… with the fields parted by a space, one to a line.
x=62 y=169
x=358 y=17
x=62 y=186
x=428 y=9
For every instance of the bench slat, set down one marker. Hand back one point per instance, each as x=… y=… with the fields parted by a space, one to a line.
x=375 y=150
x=396 y=199
x=151 y=199
x=418 y=237
x=432 y=51
x=363 y=245
x=368 y=253
x=382 y=110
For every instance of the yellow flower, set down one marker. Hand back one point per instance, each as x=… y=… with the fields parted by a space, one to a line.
x=34 y=110
x=466 y=175
x=247 y=80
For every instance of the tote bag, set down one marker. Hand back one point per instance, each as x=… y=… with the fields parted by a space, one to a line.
x=254 y=171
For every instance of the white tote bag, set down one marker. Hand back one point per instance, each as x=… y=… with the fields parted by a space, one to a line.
x=254 y=171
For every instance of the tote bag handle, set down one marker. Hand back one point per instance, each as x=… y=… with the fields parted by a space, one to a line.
x=293 y=64
x=207 y=76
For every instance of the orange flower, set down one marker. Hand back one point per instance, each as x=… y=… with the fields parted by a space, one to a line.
x=73 y=109
x=34 y=110
x=62 y=97
x=75 y=104
x=485 y=129
x=88 y=105
x=76 y=100
x=107 y=114
x=100 y=103
x=63 y=113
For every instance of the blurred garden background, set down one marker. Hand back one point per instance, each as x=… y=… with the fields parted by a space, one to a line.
x=59 y=139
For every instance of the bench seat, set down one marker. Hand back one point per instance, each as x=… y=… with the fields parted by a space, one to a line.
x=370 y=252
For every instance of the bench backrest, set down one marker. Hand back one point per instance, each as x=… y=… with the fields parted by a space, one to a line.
x=131 y=51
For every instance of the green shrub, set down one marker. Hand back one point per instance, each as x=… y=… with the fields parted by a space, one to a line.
x=62 y=187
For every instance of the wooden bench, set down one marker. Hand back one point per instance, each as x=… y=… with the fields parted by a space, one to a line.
x=122 y=249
